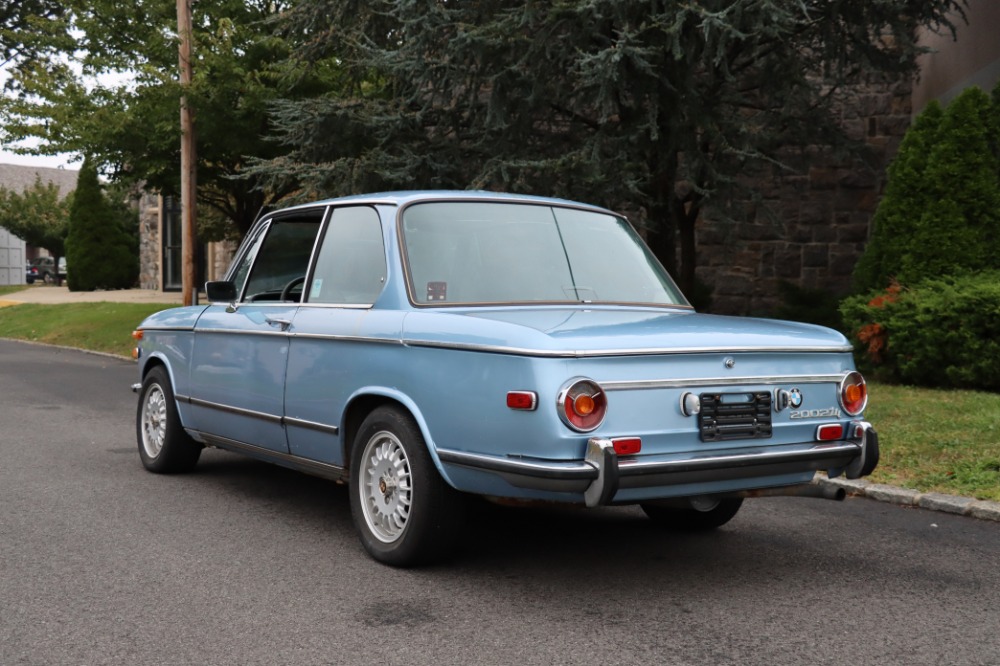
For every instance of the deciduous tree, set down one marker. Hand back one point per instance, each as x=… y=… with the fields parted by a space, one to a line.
x=39 y=216
x=105 y=85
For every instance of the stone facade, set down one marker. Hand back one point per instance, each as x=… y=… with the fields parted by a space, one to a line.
x=149 y=241
x=811 y=226
x=216 y=256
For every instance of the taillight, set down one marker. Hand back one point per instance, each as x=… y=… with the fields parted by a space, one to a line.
x=853 y=393
x=582 y=405
x=627 y=446
x=522 y=400
x=829 y=432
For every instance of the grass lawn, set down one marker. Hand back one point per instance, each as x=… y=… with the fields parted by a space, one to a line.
x=937 y=440
x=104 y=326
x=932 y=440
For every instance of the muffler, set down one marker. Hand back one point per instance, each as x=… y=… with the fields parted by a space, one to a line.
x=824 y=491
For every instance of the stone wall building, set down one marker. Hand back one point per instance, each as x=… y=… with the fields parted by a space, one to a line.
x=817 y=221
x=160 y=247
x=812 y=224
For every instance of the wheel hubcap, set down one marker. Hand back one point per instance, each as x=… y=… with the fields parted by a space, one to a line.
x=385 y=487
x=154 y=421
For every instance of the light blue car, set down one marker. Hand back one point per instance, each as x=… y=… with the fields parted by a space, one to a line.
x=427 y=346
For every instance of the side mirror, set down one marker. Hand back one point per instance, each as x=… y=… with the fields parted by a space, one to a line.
x=220 y=291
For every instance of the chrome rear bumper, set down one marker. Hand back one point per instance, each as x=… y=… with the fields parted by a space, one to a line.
x=603 y=473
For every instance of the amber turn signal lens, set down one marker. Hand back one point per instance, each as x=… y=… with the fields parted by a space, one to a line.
x=584 y=405
x=137 y=334
x=853 y=393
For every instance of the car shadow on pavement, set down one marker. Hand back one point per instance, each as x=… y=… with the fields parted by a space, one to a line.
x=538 y=536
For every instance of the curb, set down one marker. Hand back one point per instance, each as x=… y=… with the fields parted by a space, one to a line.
x=962 y=506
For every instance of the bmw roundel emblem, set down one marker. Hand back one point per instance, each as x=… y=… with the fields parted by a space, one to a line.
x=795 y=398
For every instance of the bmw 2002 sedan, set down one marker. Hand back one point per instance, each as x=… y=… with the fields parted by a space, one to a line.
x=425 y=346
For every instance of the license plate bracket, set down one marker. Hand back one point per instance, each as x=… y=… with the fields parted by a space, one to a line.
x=727 y=416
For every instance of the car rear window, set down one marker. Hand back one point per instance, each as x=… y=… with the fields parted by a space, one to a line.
x=486 y=252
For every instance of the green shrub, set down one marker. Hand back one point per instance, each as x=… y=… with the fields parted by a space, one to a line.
x=942 y=332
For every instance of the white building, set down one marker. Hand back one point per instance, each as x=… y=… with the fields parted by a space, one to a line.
x=13 y=253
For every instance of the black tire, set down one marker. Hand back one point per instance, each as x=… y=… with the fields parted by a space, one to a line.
x=404 y=512
x=164 y=446
x=696 y=518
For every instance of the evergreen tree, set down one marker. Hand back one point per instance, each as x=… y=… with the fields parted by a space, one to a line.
x=959 y=229
x=98 y=252
x=655 y=107
x=907 y=195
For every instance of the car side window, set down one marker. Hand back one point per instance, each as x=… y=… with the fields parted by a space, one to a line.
x=243 y=268
x=279 y=258
x=350 y=267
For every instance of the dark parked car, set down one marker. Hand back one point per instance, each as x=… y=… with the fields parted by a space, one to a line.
x=42 y=269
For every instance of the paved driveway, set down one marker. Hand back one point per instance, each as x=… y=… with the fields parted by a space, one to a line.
x=244 y=563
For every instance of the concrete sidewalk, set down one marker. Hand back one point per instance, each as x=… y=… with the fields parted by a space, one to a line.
x=49 y=294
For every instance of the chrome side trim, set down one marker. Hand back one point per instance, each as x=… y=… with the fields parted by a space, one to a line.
x=303 y=336
x=593 y=353
x=263 y=416
x=640 y=384
x=229 y=409
x=311 y=425
x=165 y=328
x=314 y=467
x=346 y=338
x=232 y=331
x=524 y=351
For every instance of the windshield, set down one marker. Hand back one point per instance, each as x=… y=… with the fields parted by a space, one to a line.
x=483 y=252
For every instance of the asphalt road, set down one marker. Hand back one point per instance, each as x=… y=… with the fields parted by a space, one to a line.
x=243 y=563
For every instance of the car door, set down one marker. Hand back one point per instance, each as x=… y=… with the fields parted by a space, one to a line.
x=241 y=349
x=339 y=343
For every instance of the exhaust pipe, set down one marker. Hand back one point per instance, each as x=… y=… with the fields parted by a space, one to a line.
x=828 y=492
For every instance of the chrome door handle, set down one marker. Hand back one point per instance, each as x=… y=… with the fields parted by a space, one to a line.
x=282 y=323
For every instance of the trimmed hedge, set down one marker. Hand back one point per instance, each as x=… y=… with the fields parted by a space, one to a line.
x=941 y=332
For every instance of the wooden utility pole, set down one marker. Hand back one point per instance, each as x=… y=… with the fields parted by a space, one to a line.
x=188 y=157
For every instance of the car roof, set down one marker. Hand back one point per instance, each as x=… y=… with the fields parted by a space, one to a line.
x=402 y=198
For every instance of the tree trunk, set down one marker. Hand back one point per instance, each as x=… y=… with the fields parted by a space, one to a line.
x=686 y=220
x=663 y=237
